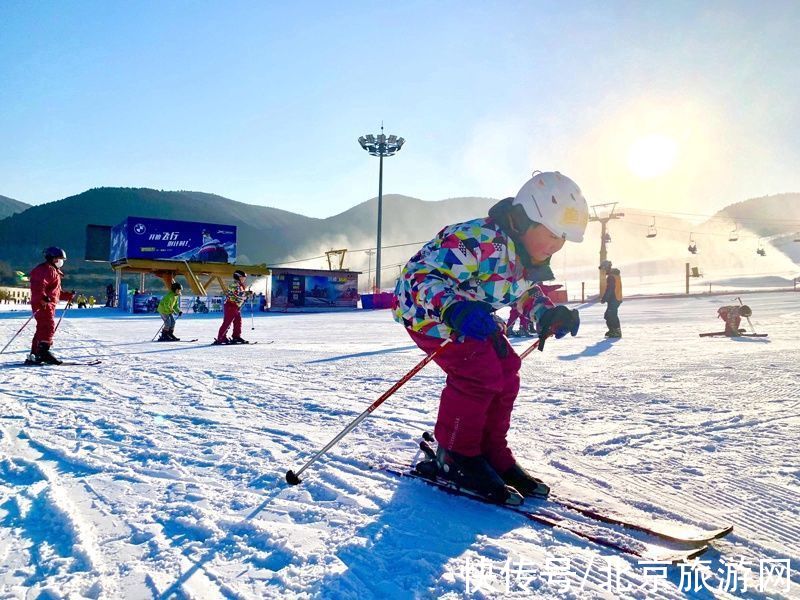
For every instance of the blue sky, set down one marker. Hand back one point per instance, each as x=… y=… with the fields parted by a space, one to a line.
x=263 y=102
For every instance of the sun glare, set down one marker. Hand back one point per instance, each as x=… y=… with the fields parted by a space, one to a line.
x=652 y=156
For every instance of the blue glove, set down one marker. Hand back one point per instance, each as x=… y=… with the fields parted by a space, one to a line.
x=470 y=318
x=558 y=321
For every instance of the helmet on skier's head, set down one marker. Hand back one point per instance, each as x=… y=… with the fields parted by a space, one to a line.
x=238 y=274
x=605 y=265
x=54 y=252
x=745 y=311
x=176 y=286
x=555 y=201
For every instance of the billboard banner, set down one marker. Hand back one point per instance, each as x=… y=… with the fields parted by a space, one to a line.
x=290 y=290
x=189 y=304
x=161 y=239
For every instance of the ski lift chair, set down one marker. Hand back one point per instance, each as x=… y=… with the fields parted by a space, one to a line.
x=734 y=235
x=651 y=229
x=692 y=245
x=761 y=252
x=607 y=238
x=696 y=272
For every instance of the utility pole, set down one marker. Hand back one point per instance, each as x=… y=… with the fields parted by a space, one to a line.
x=369 y=252
x=604 y=236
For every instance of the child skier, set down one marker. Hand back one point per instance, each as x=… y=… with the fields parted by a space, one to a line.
x=45 y=294
x=521 y=310
x=235 y=296
x=612 y=298
x=170 y=306
x=732 y=315
x=451 y=288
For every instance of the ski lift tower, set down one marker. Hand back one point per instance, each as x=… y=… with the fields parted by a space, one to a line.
x=604 y=237
x=380 y=145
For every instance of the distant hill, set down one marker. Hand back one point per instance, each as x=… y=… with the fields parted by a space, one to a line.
x=9 y=206
x=264 y=234
x=766 y=216
x=273 y=236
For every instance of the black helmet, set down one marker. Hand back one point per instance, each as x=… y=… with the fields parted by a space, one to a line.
x=239 y=273
x=176 y=286
x=54 y=252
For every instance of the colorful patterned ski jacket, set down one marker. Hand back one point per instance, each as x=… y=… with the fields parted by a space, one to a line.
x=475 y=260
x=236 y=294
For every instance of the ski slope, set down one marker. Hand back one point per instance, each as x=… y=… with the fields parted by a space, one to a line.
x=160 y=472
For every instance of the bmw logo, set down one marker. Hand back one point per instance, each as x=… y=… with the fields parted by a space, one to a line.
x=139 y=228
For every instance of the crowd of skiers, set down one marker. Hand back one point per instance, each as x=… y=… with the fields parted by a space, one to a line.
x=46 y=293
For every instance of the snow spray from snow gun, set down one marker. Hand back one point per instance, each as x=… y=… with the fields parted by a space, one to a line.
x=19 y=331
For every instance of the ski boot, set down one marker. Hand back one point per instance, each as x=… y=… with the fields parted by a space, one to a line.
x=165 y=337
x=525 y=483
x=221 y=341
x=33 y=359
x=45 y=356
x=615 y=333
x=172 y=337
x=474 y=473
x=238 y=340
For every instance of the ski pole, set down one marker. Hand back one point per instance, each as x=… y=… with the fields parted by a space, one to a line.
x=529 y=349
x=160 y=328
x=293 y=478
x=66 y=308
x=19 y=331
x=749 y=322
x=252 y=316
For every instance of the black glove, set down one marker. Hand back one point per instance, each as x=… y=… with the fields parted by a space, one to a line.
x=470 y=318
x=180 y=313
x=558 y=321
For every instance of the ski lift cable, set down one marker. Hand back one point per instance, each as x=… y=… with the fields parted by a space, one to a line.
x=649 y=212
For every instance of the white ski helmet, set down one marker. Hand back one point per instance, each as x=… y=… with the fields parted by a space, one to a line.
x=555 y=201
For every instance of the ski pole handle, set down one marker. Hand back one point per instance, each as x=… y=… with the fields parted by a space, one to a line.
x=19 y=331
x=293 y=478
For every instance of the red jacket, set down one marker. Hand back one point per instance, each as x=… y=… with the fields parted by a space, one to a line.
x=46 y=285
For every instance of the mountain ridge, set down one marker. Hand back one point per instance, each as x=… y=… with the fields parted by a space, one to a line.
x=9 y=206
x=275 y=236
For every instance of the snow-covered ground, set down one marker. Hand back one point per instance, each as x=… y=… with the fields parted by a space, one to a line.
x=160 y=473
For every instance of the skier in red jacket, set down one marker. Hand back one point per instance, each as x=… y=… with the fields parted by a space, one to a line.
x=45 y=294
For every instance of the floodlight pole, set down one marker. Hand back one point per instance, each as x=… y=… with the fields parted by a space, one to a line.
x=380 y=146
x=380 y=220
